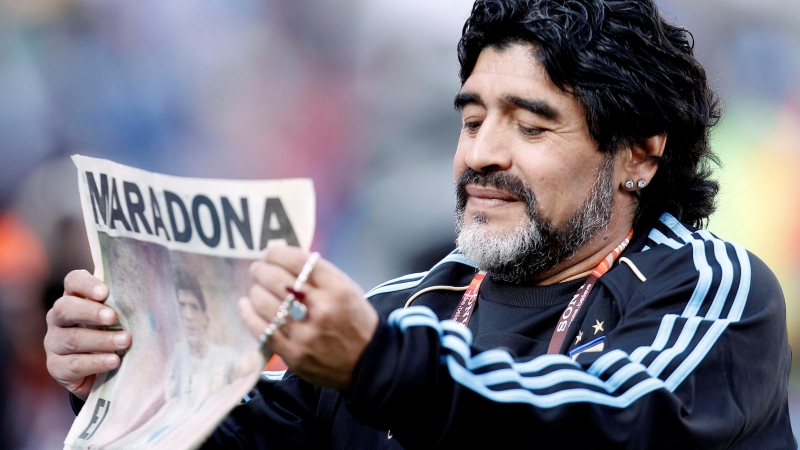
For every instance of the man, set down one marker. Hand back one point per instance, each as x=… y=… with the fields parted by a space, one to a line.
x=194 y=317
x=587 y=309
x=209 y=365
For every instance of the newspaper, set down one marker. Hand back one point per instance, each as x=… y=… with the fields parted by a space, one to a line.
x=175 y=253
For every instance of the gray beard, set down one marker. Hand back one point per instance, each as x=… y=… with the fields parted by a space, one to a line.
x=535 y=245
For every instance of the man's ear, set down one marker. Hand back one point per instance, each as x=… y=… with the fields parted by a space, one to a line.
x=639 y=164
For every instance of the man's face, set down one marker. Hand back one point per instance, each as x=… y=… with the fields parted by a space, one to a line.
x=193 y=317
x=532 y=183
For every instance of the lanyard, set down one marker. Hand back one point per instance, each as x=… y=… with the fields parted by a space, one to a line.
x=466 y=306
x=583 y=293
x=463 y=311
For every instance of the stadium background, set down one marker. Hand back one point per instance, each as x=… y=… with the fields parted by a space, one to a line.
x=355 y=94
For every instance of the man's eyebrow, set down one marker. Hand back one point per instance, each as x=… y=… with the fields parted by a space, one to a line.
x=538 y=107
x=465 y=98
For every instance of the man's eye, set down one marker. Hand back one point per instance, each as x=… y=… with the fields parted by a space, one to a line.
x=528 y=131
x=472 y=125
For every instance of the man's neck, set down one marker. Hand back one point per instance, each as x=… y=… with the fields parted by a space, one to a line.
x=588 y=256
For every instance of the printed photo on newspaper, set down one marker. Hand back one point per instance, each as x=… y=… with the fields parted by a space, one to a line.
x=175 y=254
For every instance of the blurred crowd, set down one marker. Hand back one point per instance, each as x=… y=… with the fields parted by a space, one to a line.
x=355 y=94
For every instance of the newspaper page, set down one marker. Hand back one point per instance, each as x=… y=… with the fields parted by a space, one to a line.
x=175 y=254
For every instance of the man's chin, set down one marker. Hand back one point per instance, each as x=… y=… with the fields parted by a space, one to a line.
x=496 y=249
x=495 y=224
x=493 y=229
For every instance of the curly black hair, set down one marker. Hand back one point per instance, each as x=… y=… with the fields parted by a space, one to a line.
x=185 y=281
x=635 y=76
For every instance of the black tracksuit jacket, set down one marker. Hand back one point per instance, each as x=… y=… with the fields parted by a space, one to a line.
x=681 y=345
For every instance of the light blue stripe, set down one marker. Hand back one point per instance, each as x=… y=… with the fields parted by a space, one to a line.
x=488 y=358
x=705 y=276
x=662 y=337
x=744 y=283
x=417 y=321
x=706 y=235
x=496 y=356
x=721 y=254
x=383 y=288
x=459 y=347
x=551 y=379
x=685 y=338
x=624 y=374
x=461 y=338
x=544 y=361
x=458 y=258
x=393 y=288
x=398 y=314
x=405 y=277
x=397 y=280
x=676 y=227
x=469 y=380
x=659 y=238
x=604 y=362
x=415 y=315
x=697 y=355
x=451 y=326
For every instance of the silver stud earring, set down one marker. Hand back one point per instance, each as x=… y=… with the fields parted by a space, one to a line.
x=641 y=183
x=629 y=184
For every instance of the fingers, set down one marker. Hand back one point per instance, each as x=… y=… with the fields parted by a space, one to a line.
x=292 y=259
x=69 y=311
x=289 y=257
x=75 y=367
x=265 y=302
x=67 y=341
x=256 y=323
x=81 y=283
x=252 y=319
x=75 y=353
x=274 y=278
x=72 y=370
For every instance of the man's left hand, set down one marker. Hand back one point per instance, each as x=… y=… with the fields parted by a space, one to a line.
x=326 y=345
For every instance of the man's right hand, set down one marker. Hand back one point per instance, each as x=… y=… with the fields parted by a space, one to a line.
x=75 y=353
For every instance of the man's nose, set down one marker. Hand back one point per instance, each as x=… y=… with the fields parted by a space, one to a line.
x=491 y=147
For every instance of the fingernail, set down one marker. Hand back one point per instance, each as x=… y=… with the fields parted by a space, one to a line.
x=99 y=291
x=120 y=339
x=110 y=360
x=107 y=315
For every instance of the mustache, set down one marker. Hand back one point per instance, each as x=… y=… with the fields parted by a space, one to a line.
x=501 y=181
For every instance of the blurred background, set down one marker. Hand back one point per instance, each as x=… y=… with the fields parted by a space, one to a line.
x=355 y=94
